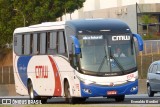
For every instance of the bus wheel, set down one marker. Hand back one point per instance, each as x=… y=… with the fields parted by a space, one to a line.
x=30 y=90
x=43 y=100
x=32 y=96
x=119 y=98
x=69 y=99
x=149 y=91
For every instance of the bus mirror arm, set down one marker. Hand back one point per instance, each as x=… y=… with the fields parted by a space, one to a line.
x=140 y=41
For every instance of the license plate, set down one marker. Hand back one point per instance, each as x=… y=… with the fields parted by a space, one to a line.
x=111 y=92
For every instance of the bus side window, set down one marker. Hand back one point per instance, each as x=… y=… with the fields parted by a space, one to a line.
x=52 y=43
x=26 y=44
x=35 y=44
x=18 y=44
x=61 y=43
x=43 y=43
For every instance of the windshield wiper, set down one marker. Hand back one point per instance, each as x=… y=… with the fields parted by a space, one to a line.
x=105 y=57
x=118 y=64
x=100 y=67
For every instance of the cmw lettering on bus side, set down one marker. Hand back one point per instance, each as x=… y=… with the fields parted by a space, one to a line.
x=116 y=38
x=41 y=71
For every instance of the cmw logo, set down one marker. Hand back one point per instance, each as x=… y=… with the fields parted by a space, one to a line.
x=116 y=38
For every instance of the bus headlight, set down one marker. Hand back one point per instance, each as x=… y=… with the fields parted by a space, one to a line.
x=132 y=79
x=87 y=82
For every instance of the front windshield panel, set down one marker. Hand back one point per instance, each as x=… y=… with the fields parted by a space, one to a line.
x=122 y=52
x=107 y=54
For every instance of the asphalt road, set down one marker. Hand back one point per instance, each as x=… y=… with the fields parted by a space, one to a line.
x=129 y=100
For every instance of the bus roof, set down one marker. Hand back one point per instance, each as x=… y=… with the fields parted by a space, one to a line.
x=41 y=27
x=112 y=25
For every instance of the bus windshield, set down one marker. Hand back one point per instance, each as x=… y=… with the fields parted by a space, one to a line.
x=107 y=54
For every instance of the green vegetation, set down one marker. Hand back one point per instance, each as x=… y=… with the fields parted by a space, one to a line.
x=18 y=13
x=147 y=20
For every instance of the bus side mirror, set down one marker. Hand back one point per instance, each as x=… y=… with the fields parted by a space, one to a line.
x=77 y=49
x=140 y=41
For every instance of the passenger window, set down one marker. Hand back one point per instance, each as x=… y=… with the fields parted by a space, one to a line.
x=26 y=44
x=154 y=68
x=61 y=43
x=158 y=67
x=52 y=43
x=150 y=69
x=35 y=44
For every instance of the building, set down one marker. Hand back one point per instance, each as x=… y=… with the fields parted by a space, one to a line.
x=143 y=16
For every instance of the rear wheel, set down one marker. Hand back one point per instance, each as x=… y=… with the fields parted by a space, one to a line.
x=43 y=100
x=149 y=91
x=32 y=95
x=30 y=90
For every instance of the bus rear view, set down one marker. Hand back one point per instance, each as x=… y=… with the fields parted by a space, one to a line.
x=105 y=57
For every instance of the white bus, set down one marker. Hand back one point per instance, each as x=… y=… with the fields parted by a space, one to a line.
x=76 y=59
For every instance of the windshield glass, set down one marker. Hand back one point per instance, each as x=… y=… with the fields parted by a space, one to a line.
x=107 y=53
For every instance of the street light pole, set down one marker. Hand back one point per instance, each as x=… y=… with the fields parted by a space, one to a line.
x=24 y=20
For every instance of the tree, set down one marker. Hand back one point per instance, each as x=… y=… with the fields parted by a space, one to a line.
x=148 y=19
x=6 y=24
x=17 y=13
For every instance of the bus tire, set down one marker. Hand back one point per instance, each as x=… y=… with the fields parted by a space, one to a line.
x=44 y=100
x=30 y=90
x=32 y=96
x=120 y=98
x=68 y=97
x=149 y=91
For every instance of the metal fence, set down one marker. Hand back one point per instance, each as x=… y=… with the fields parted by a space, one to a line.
x=151 y=47
x=150 y=54
x=6 y=75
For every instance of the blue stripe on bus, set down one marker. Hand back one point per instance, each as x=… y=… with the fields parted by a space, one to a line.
x=97 y=90
x=22 y=65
